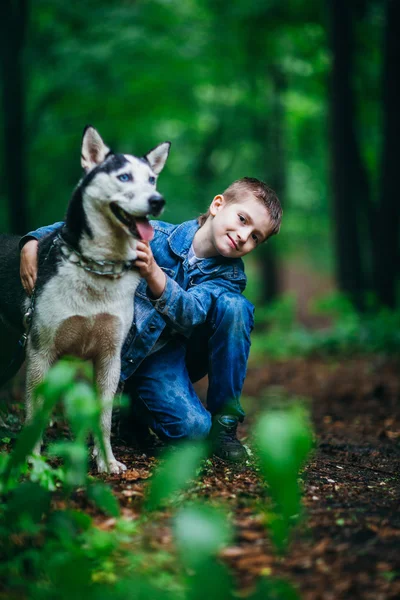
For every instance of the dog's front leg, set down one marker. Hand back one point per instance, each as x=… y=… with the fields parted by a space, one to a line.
x=37 y=367
x=107 y=378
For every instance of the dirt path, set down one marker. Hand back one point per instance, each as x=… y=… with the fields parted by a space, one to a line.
x=349 y=545
x=352 y=487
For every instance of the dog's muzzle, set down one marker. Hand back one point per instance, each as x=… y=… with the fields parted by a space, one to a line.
x=156 y=204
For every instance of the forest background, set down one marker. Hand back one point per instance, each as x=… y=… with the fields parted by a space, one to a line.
x=303 y=95
x=300 y=94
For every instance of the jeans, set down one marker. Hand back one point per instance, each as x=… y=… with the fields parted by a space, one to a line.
x=161 y=388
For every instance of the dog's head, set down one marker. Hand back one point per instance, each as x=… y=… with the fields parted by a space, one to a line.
x=121 y=186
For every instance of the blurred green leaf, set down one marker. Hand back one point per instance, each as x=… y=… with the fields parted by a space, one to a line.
x=58 y=380
x=28 y=499
x=82 y=408
x=274 y=589
x=44 y=474
x=75 y=455
x=68 y=523
x=102 y=496
x=25 y=443
x=174 y=474
x=284 y=439
x=211 y=580
x=71 y=576
x=201 y=532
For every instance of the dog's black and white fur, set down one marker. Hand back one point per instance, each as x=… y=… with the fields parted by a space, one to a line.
x=84 y=290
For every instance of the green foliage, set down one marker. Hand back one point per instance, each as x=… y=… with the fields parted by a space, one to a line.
x=278 y=335
x=200 y=532
x=43 y=473
x=284 y=440
x=219 y=111
x=275 y=590
x=174 y=475
x=58 y=381
x=102 y=496
x=48 y=549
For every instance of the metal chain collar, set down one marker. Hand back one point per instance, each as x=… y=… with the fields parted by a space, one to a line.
x=108 y=268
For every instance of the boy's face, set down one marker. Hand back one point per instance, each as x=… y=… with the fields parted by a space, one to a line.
x=238 y=227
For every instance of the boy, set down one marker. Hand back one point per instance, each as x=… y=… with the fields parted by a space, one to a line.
x=190 y=316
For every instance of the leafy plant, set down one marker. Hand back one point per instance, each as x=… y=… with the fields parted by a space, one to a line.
x=284 y=440
x=48 y=549
x=279 y=335
x=179 y=467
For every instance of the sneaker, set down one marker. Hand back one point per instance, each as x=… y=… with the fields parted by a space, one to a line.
x=224 y=440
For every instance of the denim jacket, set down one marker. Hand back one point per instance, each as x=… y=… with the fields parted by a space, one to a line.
x=189 y=293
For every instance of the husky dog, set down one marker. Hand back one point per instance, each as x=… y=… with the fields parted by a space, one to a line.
x=86 y=277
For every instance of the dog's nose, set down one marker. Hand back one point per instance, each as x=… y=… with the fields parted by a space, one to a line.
x=156 y=203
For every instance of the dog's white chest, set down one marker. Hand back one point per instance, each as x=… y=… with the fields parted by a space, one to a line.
x=77 y=312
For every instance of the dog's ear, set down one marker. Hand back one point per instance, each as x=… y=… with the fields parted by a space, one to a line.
x=94 y=150
x=158 y=156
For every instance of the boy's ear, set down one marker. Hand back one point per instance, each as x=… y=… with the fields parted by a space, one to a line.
x=216 y=205
x=94 y=150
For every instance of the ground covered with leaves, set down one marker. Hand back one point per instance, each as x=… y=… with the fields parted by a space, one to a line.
x=347 y=545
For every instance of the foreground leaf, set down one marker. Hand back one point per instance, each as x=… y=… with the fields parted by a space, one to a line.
x=179 y=467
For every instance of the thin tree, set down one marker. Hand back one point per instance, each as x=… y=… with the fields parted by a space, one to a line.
x=387 y=218
x=13 y=19
x=349 y=179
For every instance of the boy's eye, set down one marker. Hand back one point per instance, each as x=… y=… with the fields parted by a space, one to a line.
x=241 y=217
x=125 y=177
x=255 y=238
x=152 y=180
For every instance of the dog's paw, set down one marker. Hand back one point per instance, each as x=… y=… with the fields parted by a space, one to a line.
x=116 y=467
x=113 y=466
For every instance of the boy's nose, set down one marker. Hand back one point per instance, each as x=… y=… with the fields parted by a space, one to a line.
x=243 y=235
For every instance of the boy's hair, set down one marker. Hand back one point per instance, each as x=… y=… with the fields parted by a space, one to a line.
x=261 y=191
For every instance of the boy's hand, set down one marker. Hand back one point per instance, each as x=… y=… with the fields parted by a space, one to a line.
x=149 y=269
x=28 y=265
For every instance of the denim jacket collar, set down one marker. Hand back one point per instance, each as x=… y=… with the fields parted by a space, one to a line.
x=180 y=241
x=181 y=238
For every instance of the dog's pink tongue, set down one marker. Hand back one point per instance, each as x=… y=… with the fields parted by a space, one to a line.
x=145 y=230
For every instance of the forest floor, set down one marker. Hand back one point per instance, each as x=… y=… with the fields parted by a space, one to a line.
x=349 y=544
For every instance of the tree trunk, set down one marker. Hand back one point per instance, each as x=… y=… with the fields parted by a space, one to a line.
x=276 y=170
x=14 y=15
x=386 y=267
x=349 y=180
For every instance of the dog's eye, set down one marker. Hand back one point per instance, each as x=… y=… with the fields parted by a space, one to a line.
x=152 y=180
x=125 y=177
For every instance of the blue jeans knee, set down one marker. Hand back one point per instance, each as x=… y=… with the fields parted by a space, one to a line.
x=194 y=427
x=234 y=311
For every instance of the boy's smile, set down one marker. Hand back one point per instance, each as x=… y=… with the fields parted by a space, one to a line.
x=234 y=228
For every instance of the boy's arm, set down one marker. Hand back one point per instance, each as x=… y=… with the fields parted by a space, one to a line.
x=28 y=260
x=38 y=234
x=183 y=310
